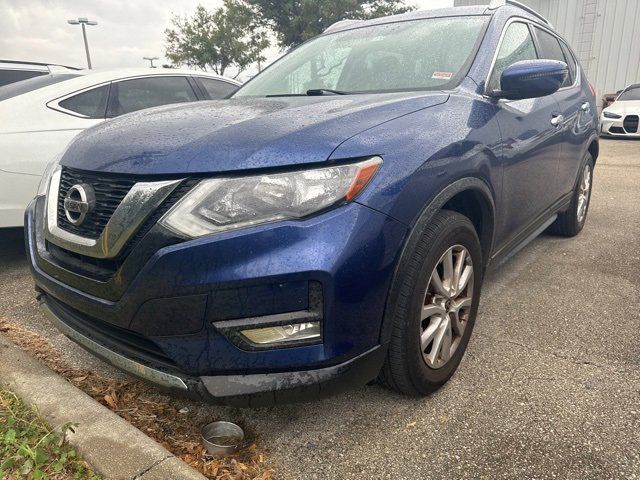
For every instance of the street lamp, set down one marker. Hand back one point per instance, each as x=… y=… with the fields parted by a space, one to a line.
x=84 y=21
x=151 y=59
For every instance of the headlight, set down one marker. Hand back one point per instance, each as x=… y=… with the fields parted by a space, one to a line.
x=611 y=115
x=221 y=204
x=51 y=167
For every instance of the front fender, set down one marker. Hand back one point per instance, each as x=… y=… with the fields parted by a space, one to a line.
x=427 y=151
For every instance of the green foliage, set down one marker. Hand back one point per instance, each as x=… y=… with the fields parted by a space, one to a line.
x=295 y=21
x=227 y=37
x=30 y=448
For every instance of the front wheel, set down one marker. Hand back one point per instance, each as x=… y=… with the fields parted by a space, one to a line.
x=433 y=305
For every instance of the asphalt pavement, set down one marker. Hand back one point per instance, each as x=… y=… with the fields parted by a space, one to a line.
x=549 y=387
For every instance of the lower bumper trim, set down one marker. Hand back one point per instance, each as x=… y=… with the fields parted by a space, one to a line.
x=137 y=369
x=258 y=390
x=252 y=390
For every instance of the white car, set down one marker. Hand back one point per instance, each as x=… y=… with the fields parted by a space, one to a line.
x=14 y=70
x=41 y=115
x=620 y=119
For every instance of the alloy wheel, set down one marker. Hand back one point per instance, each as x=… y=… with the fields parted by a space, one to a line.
x=446 y=307
x=583 y=193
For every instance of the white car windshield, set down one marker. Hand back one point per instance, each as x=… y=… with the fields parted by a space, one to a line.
x=421 y=54
x=630 y=94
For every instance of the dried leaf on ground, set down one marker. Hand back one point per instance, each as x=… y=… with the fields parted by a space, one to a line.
x=151 y=412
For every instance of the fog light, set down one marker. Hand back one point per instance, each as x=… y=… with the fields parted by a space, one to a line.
x=283 y=333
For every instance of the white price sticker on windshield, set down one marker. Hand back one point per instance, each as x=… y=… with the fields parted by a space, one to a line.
x=442 y=75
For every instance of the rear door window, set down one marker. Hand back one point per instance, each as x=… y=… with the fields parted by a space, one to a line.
x=139 y=93
x=216 y=89
x=517 y=45
x=550 y=49
x=90 y=104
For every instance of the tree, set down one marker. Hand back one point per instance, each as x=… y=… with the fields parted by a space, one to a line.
x=294 y=21
x=226 y=37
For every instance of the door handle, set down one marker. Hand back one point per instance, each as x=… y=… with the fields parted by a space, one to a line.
x=585 y=107
x=556 y=120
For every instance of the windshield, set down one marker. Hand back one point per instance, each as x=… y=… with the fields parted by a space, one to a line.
x=26 y=86
x=631 y=94
x=410 y=55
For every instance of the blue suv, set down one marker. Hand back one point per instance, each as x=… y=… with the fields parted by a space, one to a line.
x=330 y=223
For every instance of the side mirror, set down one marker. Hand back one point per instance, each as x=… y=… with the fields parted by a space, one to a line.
x=531 y=79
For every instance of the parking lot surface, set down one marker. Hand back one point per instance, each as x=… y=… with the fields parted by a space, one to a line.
x=549 y=387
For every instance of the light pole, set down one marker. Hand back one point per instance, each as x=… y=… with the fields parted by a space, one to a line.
x=151 y=59
x=84 y=21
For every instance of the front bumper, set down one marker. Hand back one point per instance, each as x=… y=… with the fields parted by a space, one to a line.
x=619 y=127
x=251 y=390
x=168 y=325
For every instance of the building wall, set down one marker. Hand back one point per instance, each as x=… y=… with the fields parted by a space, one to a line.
x=605 y=34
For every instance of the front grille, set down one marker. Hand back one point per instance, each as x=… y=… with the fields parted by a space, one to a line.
x=103 y=269
x=630 y=123
x=110 y=190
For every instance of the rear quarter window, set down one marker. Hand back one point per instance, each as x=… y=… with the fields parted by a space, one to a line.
x=91 y=103
x=216 y=89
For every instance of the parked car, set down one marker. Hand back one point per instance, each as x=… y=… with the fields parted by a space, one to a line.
x=41 y=115
x=329 y=224
x=620 y=119
x=12 y=71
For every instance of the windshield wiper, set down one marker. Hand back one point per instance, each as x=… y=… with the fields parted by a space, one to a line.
x=324 y=91
x=313 y=92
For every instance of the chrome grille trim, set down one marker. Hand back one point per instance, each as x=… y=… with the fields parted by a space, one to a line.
x=109 y=192
x=137 y=205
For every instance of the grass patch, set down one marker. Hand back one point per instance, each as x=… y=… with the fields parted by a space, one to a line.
x=159 y=416
x=29 y=448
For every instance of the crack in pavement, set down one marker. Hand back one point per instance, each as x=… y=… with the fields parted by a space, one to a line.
x=573 y=360
x=154 y=464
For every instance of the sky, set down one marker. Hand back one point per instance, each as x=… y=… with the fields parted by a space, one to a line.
x=127 y=30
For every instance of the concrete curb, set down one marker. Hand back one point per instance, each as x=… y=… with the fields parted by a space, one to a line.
x=115 y=448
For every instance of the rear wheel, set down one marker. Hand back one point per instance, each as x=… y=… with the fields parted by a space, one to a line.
x=571 y=222
x=433 y=304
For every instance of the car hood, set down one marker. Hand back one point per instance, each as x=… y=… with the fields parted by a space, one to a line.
x=624 y=107
x=236 y=134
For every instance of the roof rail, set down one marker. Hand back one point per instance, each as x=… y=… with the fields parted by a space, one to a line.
x=501 y=3
x=340 y=23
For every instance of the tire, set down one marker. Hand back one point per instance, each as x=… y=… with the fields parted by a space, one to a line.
x=569 y=223
x=407 y=368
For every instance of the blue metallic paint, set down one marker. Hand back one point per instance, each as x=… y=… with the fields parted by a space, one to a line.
x=428 y=140
x=237 y=135
x=532 y=79
x=354 y=269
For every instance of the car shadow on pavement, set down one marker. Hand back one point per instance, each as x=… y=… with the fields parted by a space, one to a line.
x=12 y=250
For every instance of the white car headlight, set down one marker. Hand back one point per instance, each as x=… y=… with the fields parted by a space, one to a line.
x=221 y=204
x=610 y=114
